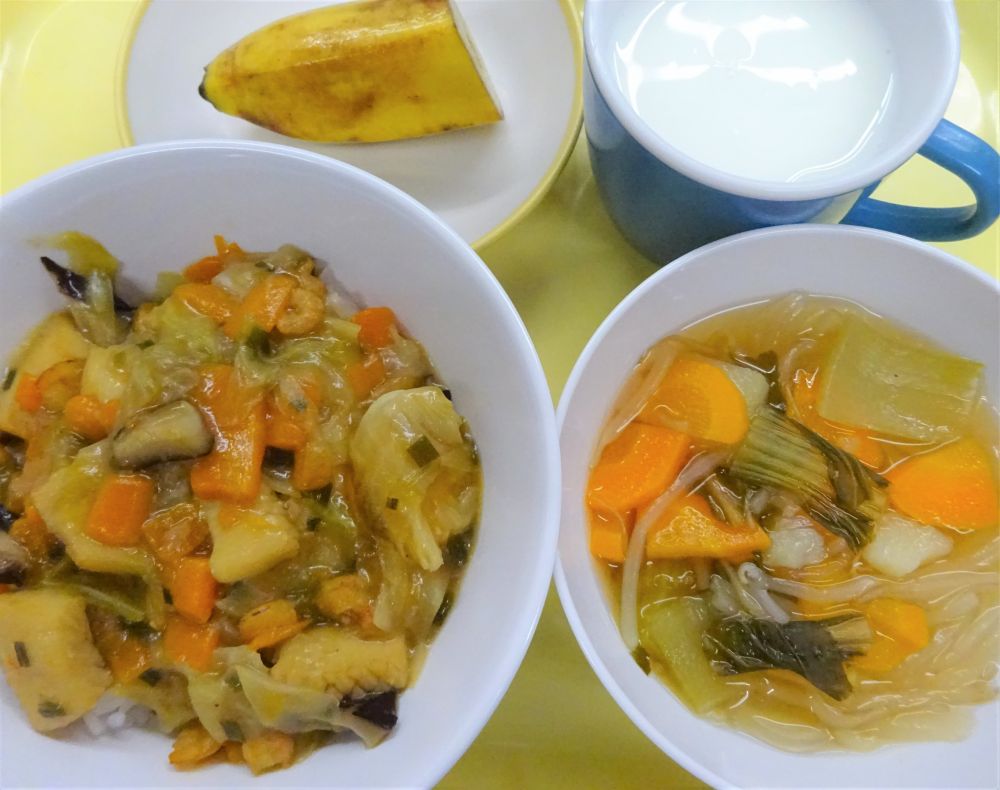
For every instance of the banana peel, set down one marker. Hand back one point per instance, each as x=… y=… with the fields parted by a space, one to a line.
x=368 y=71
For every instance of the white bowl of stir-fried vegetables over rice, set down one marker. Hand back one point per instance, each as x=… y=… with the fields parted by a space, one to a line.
x=278 y=477
x=779 y=543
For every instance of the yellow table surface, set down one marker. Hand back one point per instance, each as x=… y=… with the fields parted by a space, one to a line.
x=565 y=266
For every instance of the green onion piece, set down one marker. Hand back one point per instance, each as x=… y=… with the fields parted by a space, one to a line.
x=422 y=451
x=392 y=503
x=151 y=677
x=50 y=710
x=641 y=657
x=259 y=342
x=458 y=548
x=21 y=651
x=233 y=731
x=443 y=609
x=8 y=378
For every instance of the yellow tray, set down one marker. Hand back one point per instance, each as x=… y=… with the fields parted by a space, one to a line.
x=61 y=79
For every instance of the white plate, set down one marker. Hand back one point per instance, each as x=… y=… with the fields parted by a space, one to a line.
x=479 y=181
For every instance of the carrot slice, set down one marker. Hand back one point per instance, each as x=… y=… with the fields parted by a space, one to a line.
x=126 y=656
x=204 y=270
x=365 y=376
x=637 y=466
x=33 y=535
x=224 y=248
x=609 y=536
x=232 y=471
x=207 y=299
x=263 y=305
x=689 y=529
x=122 y=505
x=194 y=589
x=313 y=467
x=901 y=629
x=699 y=395
x=89 y=417
x=954 y=486
x=190 y=643
x=377 y=324
x=291 y=421
x=28 y=394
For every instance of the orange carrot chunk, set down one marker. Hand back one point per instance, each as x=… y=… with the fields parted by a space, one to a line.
x=202 y=271
x=262 y=306
x=900 y=628
x=232 y=471
x=122 y=505
x=28 y=394
x=636 y=467
x=954 y=486
x=224 y=248
x=289 y=423
x=194 y=589
x=609 y=536
x=33 y=535
x=377 y=324
x=190 y=643
x=90 y=418
x=313 y=467
x=699 y=395
x=207 y=299
x=365 y=376
x=688 y=528
x=126 y=656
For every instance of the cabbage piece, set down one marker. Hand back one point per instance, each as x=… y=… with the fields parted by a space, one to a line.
x=887 y=381
x=418 y=472
x=293 y=709
x=409 y=598
x=105 y=375
x=97 y=317
x=64 y=501
x=218 y=698
x=164 y=693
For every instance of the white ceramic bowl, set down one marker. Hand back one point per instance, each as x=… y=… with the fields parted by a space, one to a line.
x=155 y=208
x=902 y=279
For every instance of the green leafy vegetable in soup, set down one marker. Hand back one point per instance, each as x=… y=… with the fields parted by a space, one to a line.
x=234 y=504
x=795 y=507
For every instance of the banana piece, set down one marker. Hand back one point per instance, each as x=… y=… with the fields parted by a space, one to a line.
x=367 y=71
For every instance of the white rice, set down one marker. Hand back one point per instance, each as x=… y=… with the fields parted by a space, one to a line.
x=113 y=713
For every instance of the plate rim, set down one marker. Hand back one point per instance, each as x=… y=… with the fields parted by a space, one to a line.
x=571 y=132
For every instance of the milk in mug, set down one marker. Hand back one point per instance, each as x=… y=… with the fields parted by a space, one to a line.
x=773 y=90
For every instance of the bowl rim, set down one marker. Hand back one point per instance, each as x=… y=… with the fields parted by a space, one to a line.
x=510 y=659
x=607 y=678
x=896 y=153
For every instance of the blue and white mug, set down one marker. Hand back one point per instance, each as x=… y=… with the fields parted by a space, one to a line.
x=667 y=203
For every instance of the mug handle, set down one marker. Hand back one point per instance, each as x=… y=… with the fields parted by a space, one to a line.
x=969 y=158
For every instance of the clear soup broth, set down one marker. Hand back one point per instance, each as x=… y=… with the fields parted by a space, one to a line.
x=794 y=504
